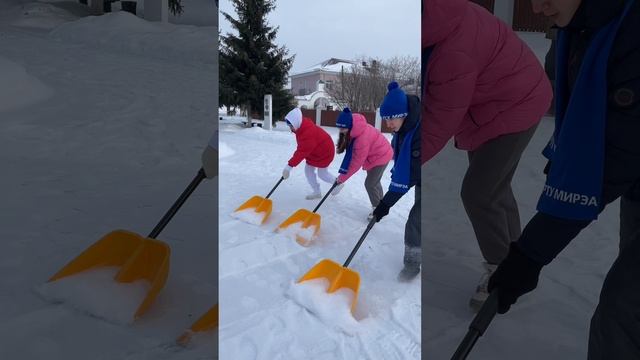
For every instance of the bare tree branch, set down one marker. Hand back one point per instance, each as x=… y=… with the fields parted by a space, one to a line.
x=363 y=86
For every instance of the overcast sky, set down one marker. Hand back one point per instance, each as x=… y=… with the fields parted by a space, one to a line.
x=318 y=30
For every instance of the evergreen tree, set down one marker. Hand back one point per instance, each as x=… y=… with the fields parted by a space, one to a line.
x=251 y=65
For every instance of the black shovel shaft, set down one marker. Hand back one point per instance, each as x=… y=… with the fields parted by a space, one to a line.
x=325 y=196
x=355 y=249
x=478 y=326
x=274 y=188
x=178 y=204
x=467 y=344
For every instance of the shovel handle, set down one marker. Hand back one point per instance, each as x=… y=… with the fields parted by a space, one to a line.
x=478 y=326
x=355 y=249
x=176 y=206
x=274 y=188
x=325 y=196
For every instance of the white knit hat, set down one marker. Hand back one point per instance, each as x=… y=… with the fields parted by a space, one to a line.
x=295 y=118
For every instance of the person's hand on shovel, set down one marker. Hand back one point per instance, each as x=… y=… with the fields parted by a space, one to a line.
x=286 y=171
x=339 y=186
x=381 y=211
x=516 y=275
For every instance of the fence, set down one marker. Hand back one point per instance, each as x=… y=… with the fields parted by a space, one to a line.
x=329 y=117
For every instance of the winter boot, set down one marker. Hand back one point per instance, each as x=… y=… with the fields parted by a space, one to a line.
x=314 y=195
x=412 y=260
x=482 y=292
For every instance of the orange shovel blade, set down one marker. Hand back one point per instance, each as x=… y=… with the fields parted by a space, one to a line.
x=206 y=322
x=139 y=258
x=308 y=220
x=259 y=204
x=338 y=276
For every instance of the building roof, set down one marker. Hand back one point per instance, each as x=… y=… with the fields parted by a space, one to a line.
x=333 y=65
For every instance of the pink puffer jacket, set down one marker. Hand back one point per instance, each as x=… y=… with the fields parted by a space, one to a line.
x=483 y=80
x=371 y=148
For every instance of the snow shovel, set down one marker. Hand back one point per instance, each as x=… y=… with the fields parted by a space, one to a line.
x=478 y=326
x=308 y=219
x=340 y=276
x=260 y=204
x=139 y=258
x=206 y=322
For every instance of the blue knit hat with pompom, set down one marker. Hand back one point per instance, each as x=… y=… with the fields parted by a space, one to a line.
x=345 y=119
x=395 y=103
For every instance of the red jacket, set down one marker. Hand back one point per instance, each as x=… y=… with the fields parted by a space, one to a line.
x=483 y=81
x=314 y=145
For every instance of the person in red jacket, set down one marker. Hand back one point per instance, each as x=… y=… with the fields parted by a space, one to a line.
x=315 y=146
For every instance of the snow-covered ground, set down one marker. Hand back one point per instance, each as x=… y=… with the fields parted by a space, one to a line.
x=102 y=123
x=264 y=314
x=550 y=323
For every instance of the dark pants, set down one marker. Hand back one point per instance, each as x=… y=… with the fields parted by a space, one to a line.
x=412 y=227
x=373 y=186
x=487 y=195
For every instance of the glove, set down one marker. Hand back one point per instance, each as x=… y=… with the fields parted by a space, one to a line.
x=210 y=162
x=381 y=211
x=285 y=172
x=337 y=189
x=516 y=275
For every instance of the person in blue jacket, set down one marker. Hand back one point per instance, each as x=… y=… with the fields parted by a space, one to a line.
x=594 y=159
x=401 y=112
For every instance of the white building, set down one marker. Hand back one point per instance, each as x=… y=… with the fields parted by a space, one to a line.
x=310 y=85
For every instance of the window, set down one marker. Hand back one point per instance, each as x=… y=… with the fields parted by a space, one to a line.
x=328 y=84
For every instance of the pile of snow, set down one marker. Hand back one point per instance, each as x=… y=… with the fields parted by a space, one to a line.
x=96 y=293
x=19 y=88
x=125 y=32
x=334 y=309
x=296 y=231
x=39 y=15
x=132 y=127
x=224 y=150
x=250 y=216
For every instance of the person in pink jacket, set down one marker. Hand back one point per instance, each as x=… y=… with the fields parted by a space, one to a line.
x=486 y=89
x=366 y=148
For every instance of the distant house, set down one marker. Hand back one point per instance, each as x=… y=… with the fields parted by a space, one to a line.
x=517 y=13
x=328 y=72
x=310 y=86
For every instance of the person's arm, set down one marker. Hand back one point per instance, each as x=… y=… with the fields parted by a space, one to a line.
x=451 y=84
x=388 y=200
x=306 y=144
x=360 y=153
x=391 y=198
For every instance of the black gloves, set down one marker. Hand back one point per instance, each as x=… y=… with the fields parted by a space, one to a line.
x=516 y=275
x=381 y=211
